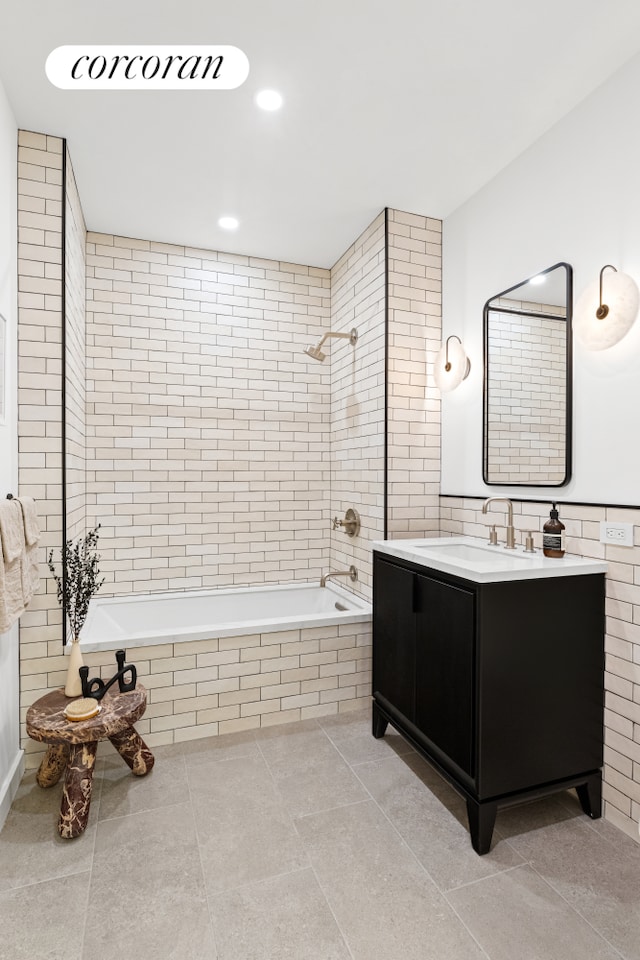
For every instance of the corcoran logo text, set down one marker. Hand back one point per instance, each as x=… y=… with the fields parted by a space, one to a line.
x=147 y=67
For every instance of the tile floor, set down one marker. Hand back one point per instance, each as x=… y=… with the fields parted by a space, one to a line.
x=308 y=842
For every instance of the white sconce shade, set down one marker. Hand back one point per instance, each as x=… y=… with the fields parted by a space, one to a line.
x=606 y=311
x=452 y=365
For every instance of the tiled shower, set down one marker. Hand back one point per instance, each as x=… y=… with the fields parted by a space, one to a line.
x=211 y=450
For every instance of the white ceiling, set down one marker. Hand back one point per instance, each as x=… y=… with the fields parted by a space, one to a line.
x=413 y=104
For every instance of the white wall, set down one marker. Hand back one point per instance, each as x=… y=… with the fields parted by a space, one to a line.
x=10 y=755
x=575 y=196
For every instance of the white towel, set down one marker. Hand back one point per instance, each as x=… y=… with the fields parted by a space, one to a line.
x=11 y=530
x=30 y=565
x=11 y=556
x=30 y=516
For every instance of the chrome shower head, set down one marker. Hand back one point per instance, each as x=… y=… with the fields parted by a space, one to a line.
x=315 y=353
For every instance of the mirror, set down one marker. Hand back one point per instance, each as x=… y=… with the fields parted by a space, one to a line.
x=527 y=382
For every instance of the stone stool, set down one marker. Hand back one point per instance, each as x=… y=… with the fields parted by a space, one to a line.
x=72 y=746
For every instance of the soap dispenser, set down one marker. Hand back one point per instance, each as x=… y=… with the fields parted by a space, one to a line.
x=552 y=535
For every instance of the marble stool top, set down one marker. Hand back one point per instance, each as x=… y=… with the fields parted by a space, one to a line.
x=47 y=723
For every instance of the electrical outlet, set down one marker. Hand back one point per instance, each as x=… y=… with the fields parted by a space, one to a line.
x=616 y=534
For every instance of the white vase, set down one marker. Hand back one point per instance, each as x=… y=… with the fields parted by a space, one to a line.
x=73 y=686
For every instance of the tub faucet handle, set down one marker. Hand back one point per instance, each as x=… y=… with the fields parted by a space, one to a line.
x=350 y=524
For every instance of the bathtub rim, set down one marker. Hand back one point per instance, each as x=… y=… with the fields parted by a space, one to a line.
x=240 y=628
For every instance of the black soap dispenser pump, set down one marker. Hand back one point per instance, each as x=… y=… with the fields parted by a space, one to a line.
x=552 y=535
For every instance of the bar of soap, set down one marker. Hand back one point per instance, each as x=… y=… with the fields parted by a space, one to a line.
x=83 y=709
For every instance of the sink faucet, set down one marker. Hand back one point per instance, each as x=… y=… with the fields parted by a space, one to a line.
x=352 y=573
x=511 y=535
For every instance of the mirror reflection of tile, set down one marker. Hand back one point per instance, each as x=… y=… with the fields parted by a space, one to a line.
x=526 y=391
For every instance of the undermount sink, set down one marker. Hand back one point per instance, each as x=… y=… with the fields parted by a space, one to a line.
x=473 y=559
x=462 y=552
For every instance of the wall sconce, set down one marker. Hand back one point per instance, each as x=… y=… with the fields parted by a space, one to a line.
x=452 y=365
x=606 y=311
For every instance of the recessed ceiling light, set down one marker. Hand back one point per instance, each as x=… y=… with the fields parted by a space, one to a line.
x=269 y=100
x=228 y=223
x=539 y=279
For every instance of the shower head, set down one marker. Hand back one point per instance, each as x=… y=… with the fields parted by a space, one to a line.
x=315 y=353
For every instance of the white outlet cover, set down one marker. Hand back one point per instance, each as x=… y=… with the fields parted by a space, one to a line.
x=616 y=534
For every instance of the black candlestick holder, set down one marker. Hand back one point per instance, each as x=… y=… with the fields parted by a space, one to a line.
x=97 y=687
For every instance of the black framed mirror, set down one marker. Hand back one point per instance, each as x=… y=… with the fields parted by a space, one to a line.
x=527 y=395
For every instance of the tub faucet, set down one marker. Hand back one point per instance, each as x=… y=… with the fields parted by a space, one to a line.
x=352 y=573
x=511 y=535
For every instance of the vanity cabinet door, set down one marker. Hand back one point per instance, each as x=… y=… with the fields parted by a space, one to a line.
x=445 y=668
x=394 y=637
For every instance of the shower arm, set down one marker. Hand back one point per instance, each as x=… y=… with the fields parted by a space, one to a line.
x=352 y=337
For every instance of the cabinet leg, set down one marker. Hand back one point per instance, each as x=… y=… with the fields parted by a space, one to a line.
x=590 y=796
x=482 y=817
x=379 y=723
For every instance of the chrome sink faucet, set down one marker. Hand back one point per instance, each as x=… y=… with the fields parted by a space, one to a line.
x=511 y=534
x=352 y=573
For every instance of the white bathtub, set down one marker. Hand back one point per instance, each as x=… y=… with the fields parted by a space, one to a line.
x=155 y=618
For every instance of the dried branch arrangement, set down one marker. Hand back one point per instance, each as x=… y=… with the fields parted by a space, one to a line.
x=80 y=565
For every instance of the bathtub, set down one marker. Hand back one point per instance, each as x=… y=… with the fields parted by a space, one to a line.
x=156 y=618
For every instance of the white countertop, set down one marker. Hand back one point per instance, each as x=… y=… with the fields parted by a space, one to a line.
x=474 y=559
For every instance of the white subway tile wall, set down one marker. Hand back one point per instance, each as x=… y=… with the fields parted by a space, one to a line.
x=357 y=401
x=40 y=198
x=207 y=459
x=203 y=688
x=415 y=325
x=208 y=435
x=75 y=352
x=621 y=790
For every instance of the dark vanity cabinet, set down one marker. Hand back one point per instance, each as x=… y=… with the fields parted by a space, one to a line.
x=499 y=685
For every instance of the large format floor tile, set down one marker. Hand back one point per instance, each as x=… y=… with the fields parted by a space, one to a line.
x=44 y=921
x=599 y=879
x=298 y=746
x=30 y=848
x=244 y=831
x=351 y=734
x=385 y=903
x=526 y=818
x=229 y=746
x=285 y=918
x=434 y=827
x=330 y=785
x=124 y=793
x=517 y=914
x=147 y=898
x=309 y=772
x=326 y=784
x=308 y=841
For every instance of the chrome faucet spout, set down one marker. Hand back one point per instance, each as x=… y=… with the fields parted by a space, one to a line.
x=511 y=535
x=352 y=573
